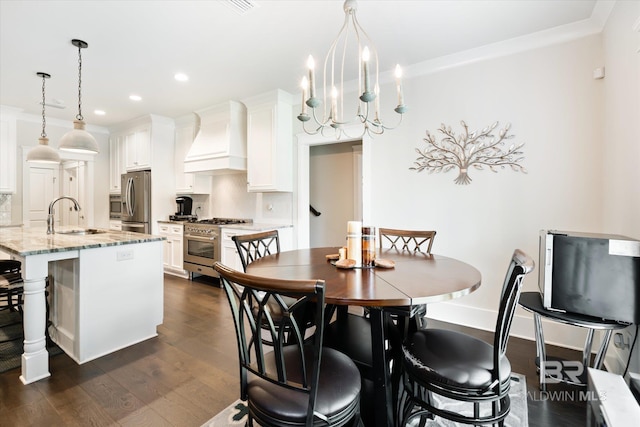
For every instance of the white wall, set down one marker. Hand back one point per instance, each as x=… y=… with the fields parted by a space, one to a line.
x=557 y=109
x=621 y=135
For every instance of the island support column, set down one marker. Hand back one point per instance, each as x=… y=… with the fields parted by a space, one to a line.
x=35 y=359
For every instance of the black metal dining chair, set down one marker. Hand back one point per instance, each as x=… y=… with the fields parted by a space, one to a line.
x=296 y=381
x=438 y=362
x=11 y=297
x=256 y=245
x=11 y=285
x=352 y=333
x=412 y=241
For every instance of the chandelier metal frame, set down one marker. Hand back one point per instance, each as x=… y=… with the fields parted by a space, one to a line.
x=332 y=116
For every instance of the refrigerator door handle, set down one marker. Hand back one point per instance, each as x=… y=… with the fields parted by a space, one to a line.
x=128 y=197
x=132 y=195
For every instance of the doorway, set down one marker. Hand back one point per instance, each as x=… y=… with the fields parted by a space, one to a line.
x=335 y=191
x=301 y=198
x=73 y=186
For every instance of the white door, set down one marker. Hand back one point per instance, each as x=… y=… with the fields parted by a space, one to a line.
x=73 y=186
x=43 y=183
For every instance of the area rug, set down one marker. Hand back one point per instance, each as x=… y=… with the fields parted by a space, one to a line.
x=236 y=413
x=11 y=340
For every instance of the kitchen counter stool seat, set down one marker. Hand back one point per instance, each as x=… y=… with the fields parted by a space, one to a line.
x=295 y=381
x=457 y=366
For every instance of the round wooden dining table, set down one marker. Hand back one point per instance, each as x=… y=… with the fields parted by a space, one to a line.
x=416 y=278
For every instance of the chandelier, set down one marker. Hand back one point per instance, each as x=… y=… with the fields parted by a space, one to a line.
x=43 y=152
x=79 y=140
x=329 y=112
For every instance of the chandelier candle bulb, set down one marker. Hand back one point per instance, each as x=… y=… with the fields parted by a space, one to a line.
x=354 y=242
x=365 y=68
x=399 y=85
x=312 y=81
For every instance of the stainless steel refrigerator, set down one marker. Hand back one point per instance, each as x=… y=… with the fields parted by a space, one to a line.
x=136 y=201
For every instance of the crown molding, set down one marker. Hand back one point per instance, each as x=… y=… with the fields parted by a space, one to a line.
x=549 y=37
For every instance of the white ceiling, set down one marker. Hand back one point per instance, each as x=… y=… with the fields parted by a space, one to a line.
x=138 y=46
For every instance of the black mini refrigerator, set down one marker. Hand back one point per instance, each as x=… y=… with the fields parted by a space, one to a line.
x=592 y=274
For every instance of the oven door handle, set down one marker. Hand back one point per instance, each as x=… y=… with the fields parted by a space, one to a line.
x=200 y=239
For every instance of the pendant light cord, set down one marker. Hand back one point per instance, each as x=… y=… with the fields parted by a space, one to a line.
x=79 y=116
x=44 y=120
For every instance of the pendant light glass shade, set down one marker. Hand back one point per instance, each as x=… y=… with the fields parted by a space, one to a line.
x=43 y=153
x=79 y=140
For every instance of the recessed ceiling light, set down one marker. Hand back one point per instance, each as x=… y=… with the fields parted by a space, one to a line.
x=99 y=112
x=181 y=77
x=135 y=97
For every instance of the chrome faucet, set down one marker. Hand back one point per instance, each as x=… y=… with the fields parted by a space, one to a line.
x=76 y=207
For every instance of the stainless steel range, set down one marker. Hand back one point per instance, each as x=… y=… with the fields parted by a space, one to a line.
x=202 y=244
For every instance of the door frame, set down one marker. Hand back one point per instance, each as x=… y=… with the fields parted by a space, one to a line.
x=88 y=176
x=301 y=201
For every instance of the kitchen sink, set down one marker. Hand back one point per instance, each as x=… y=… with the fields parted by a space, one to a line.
x=82 y=231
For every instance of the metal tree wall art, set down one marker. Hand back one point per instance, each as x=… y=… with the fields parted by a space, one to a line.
x=479 y=149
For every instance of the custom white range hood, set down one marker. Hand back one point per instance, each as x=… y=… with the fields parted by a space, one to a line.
x=220 y=145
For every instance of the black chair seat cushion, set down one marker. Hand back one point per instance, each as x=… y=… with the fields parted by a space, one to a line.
x=338 y=390
x=351 y=337
x=452 y=358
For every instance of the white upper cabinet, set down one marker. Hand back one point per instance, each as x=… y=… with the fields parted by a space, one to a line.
x=220 y=144
x=138 y=149
x=269 y=142
x=116 y=162
x=130 y=146
x=8 y=168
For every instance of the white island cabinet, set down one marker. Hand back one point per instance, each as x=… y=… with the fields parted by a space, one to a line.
x=106 y=292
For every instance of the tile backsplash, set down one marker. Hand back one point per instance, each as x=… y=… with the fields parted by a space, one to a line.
x=5 y=209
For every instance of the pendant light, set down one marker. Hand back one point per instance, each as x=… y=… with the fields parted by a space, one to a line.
x=43 y=153
x=79 y=140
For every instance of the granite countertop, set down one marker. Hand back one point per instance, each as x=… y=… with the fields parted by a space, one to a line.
x=256 y=226
x=251 y=226
x=33 y=241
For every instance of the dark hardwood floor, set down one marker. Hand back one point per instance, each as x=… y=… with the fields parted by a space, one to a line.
x=189 y=373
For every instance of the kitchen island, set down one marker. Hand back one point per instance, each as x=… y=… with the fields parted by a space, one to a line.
x=106 y=292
